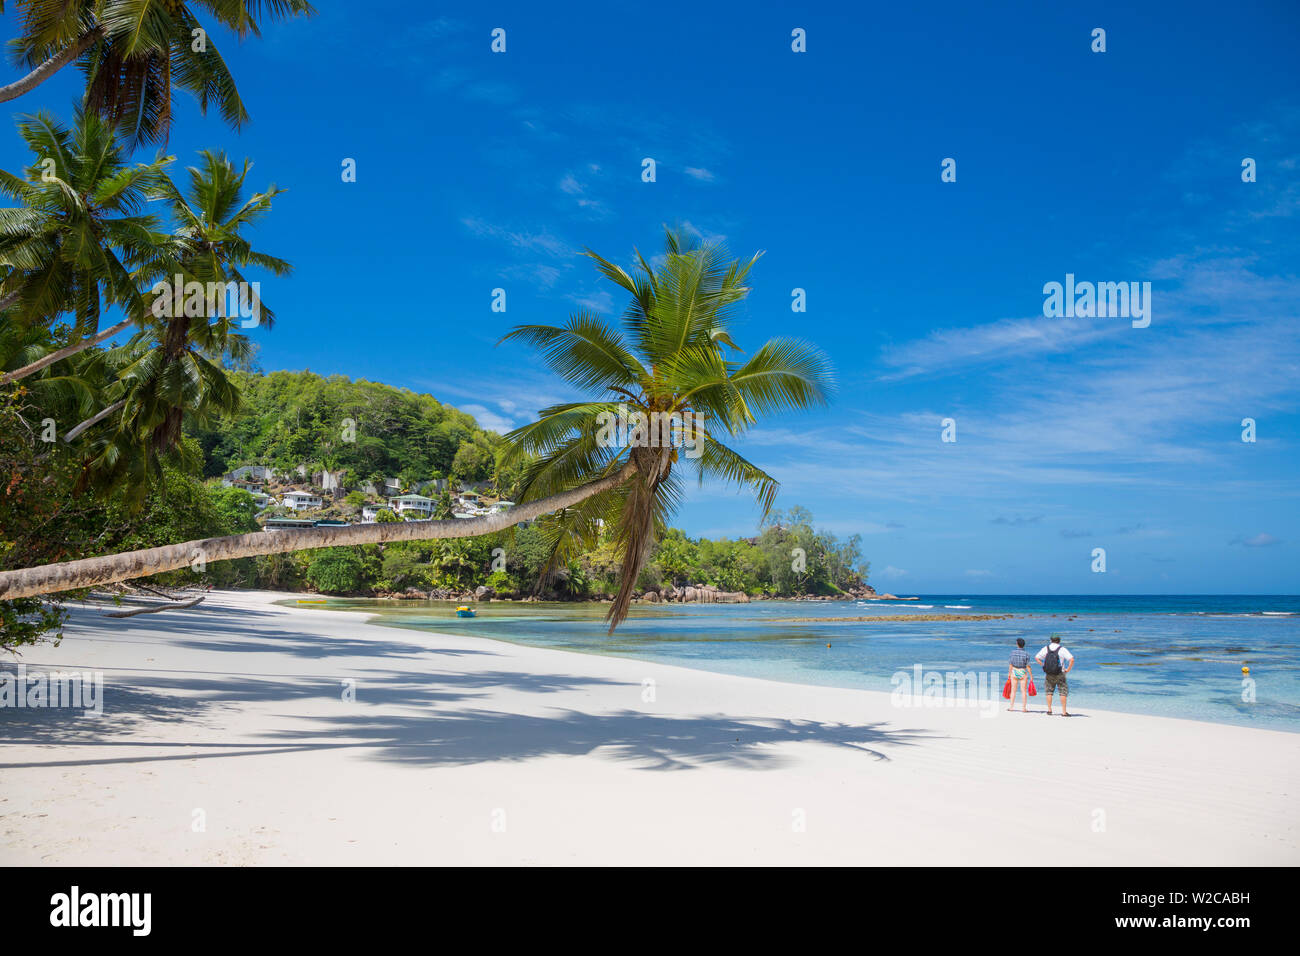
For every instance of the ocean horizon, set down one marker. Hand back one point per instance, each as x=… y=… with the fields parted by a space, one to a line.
x=1163 y=655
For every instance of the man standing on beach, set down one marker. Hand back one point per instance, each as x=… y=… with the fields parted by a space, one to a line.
x=1056 y=661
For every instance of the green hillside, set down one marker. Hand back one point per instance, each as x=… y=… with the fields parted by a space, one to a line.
x=370 y=429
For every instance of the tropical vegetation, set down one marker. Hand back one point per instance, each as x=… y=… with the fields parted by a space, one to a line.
x=105 y=448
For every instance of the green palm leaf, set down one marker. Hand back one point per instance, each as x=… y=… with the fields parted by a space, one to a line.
x=668 y=358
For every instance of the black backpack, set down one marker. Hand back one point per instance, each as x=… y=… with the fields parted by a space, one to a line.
x=1052 y=662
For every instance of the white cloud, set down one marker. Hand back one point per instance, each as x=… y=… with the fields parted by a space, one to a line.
x=488 y=419
x=519 y=394
x=542 y=241
x=540 y=274
x=600 y=301
x=705 y=235
x=1261 y=540
x=592 y=208
x=1004 y=339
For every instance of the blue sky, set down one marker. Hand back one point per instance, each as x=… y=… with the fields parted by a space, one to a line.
x=478 y=170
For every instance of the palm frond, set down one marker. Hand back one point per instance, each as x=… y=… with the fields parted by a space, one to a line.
x=586 y=352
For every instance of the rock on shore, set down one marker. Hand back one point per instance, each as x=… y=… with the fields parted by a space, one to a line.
x=697 y=593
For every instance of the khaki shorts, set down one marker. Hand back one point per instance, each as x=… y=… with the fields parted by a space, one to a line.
x=1057 y=682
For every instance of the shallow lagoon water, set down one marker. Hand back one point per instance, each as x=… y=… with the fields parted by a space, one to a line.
x=1172 y=656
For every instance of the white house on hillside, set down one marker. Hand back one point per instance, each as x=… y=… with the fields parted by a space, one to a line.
x=301 y=500
x=370 y=512
x=422 y=506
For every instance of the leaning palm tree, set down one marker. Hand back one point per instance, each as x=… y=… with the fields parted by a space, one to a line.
x=134 y=51
x=669 y=360
x=73 y=244
x=666 y=367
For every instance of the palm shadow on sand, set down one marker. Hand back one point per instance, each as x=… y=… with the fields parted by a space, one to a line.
x=416 y=712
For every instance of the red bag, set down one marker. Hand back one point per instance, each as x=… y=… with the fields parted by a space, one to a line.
x=1033 y=691
x=1006 y=689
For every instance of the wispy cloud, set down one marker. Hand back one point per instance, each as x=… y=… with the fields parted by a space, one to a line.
x=540 y=275
x=492 y=421
x=515 y=397
x=1141 y=530
x=600 y=301
x=1018 y=521
x=468 y=86
x=579 y=193
x=1261 y=540
x=703 y=233
x=533 y=241
x=954 y=349
x=435 y=29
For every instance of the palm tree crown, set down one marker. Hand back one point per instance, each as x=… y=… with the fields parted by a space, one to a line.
x=134 y=51
x=666 y=363
x=73 y=243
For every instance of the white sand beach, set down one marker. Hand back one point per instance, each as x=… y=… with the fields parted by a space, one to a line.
x=460 y=750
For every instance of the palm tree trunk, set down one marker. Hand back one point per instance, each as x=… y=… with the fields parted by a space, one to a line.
x=64 y=352
x=67 y=575
x=74 y=432
x=51 y=66
x=637 y=528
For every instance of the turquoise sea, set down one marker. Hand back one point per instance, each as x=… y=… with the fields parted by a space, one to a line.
x=1175 y=656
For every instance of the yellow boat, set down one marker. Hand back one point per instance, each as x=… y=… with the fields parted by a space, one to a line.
x=464 y=611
